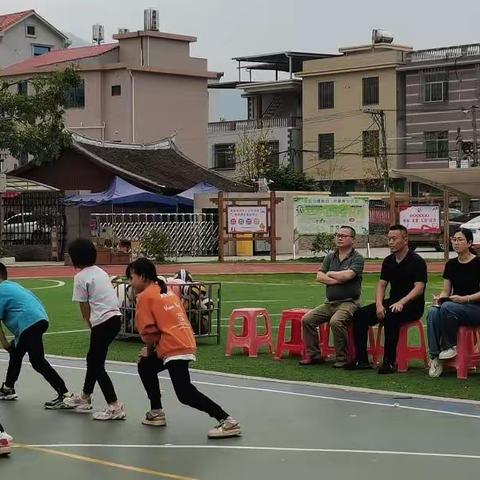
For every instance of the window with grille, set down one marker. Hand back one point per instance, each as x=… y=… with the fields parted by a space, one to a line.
x=273 y=148
x=75 y=96
x=371 y=143
x=326 y=145
x=436 y=144
x=30 y=31
x=370 y=91
x=325 y=95
x=116 y=90
x=435 y=86
x=224 y=156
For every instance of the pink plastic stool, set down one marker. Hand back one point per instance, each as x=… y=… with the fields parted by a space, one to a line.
x=328 y=350
x=249 y=339
x=295 y=345
x=405 y=353
x=468 y=354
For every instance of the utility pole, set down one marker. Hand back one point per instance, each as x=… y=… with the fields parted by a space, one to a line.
x=475 y=137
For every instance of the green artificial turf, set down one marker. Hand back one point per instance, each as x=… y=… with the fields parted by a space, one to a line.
x=276 y=293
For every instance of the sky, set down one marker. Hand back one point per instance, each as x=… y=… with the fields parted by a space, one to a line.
x=228 y=28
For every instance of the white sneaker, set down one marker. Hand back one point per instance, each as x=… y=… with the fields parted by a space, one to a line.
x=111 y=413
x=436 y=368
x=448 y=354
x=5 y=443
x=79 y=403
x=226 y=428
x=155 y=418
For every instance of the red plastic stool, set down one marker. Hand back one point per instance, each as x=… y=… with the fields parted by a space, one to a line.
x=405 y=353
x=468 y=354
x=328 y=350
x=249 y=339
x=295 y=345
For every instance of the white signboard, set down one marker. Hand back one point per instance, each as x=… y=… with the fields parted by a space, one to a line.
x=242 y=219
x=319 y=214
x=421 y=218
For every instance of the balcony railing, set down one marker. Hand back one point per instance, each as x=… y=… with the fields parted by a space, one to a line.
x=444 y=53
x=266 y=123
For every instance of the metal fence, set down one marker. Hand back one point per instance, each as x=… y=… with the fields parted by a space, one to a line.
x=30 y=216
x=191 y=234
x=202 y=302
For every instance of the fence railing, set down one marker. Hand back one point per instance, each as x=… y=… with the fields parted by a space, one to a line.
x=191 y=234
x=30 y=216
x=446 y=52
x=268 y=123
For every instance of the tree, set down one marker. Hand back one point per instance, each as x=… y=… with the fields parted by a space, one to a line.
x=253 y=155
x=286 y=178
x=34 y=124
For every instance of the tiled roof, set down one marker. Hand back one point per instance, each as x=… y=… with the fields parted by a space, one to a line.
x=165 y=166
x=57 y=56
x=10 y=19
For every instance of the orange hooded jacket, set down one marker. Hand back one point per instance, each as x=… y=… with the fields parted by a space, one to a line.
x=161 y=320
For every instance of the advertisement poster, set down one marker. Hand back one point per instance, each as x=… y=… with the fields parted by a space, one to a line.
x=246 y=219
x=319 y=214
x=420 y=218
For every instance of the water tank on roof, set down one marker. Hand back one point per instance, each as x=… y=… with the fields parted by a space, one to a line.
x=151 y=20
x=98 y=34
x=381 y=36
x=123 y=30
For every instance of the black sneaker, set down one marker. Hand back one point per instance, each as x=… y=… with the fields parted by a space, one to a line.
x=386 y=369
x=57 y=403
x=7 y=393
x=358 y=366
x=312 y=361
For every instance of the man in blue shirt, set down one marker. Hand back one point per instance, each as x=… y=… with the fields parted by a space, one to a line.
x=25 y=316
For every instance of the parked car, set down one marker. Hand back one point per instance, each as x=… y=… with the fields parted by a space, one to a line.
x=25 y=228
x=435 y=240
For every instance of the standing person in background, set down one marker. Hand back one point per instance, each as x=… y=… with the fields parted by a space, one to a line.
x=406 y=272
x=341 y=272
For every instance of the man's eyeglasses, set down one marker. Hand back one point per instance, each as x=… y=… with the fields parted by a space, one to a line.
x=342 y=235
x=458 y=239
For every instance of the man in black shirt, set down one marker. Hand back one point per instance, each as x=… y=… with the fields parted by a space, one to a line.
x=406 y=272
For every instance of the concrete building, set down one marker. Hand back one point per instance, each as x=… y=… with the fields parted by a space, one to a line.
x=442 y=87
x=274 y=112
x=26 y=34
x=341 y=138
x=142 y=88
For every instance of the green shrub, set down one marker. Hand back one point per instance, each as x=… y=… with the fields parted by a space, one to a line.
x=156 y=245
x=323 y=243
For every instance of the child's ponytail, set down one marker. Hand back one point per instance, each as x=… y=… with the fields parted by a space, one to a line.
x=146 y=269
x=162 y=285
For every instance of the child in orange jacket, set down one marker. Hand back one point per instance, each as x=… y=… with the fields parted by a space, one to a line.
x=170 y=345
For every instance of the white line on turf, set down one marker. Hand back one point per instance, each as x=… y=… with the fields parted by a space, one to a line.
x=288 y=393
x=263 y=448
x=56 y=284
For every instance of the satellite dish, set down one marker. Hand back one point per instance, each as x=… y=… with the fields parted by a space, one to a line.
x=381 y=36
